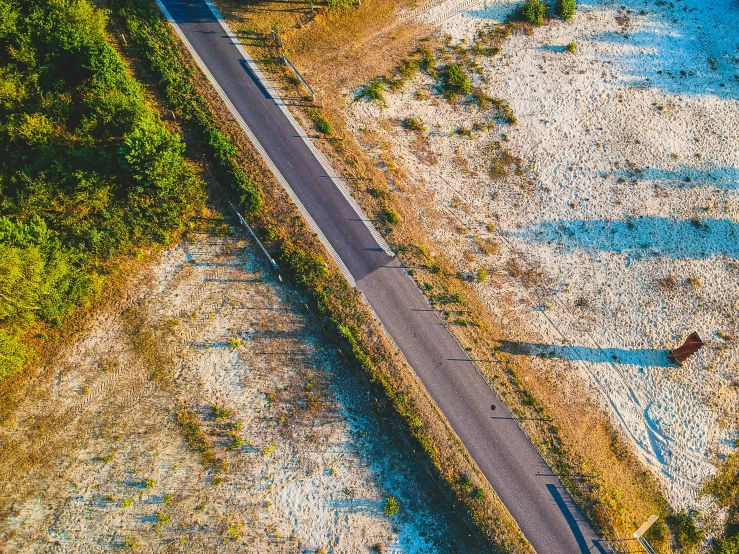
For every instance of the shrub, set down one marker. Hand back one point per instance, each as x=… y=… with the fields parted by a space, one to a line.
x=149 y=483
x=389 y=217
x=534 y=11
x=479 y=494
x=413 y=124
x=456 y=82
x=483 y=275
x=729 y=545
x=391 y=506
x=162 y=517
x=571 y=46
x=220 y=414
x=565 y=9
x=167 y=500
x=687 y=534
x=321 y=123
x=127 y=503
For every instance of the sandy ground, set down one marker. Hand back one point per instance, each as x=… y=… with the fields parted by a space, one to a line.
x=624 y=208
x=208 y=326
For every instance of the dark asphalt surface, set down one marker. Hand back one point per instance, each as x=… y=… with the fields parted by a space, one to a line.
x=535 y=497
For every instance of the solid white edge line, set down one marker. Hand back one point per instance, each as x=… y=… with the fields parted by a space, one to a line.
x=253 y=139
x=338 y=182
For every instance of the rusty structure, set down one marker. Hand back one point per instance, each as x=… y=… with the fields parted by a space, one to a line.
x=691 y=345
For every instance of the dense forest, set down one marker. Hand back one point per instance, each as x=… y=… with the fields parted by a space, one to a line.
x=88 y=169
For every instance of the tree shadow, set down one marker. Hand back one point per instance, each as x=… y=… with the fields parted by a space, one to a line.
x=644 y=357
x=690 y=54
x=648 y=236
x=723 y=177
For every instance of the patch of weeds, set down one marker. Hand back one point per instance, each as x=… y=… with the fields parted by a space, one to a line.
x=234 y=343
x=379 y=193
x=391 y=506
x=668 y=282
x=489 y=246
x=162 y=517
x=321 y=123
x=687 y=534
x=389 y=216
x=373 y=92
x=220 y=414
x=502 y=164
x=571 y=46
x=413 y=124
x=217 y=480
x=269 y=450
x=483 y=276
x=465 y=132
x=694 y=281
x=234 y=531
x=167 y=499
x=149 y=484
x=126 y=502
x=129 y=542
x=236 y=441
x=196 y=439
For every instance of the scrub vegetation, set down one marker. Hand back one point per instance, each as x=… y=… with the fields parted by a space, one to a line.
x=88 y=169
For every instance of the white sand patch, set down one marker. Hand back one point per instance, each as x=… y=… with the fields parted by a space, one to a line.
x=632 y=144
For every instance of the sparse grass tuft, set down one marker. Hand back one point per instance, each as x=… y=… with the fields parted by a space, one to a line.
x=373 y=92
x=413 y=124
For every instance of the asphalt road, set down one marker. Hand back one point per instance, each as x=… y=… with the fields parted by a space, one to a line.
x=535 y=497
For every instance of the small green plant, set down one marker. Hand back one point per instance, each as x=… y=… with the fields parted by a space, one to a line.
x=216 y=480
x=221 y=414
x=236 y=442
x=389 y=217
x=571 y=46
x=479 y=494
x=373 y=92
x=565 y=9
x=534 y=11
x=234 y=531
x=465 y=481
x=126 y=502
x=483 y=276
x=129 y=542
x=167 y=500
x=162 y=517
x=149 y=483
x=391 y=506
x=413 y=124
x=234 y=343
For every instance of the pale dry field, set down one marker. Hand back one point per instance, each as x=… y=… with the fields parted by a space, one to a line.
x=286 y=452
x=616 y=236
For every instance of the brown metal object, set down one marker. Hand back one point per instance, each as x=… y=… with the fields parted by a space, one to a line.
x=691 y=345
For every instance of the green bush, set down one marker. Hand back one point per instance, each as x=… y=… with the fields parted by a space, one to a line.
x=565 y=9
x=455 y=82
x=729 y=545
x=534 y=11
x=687 y=534
x=571 y=47
x=321 y=123
x=389 y=217
x=391 y=506
x=413 y=124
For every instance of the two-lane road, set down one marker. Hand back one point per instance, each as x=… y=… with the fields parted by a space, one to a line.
x=537 y=500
